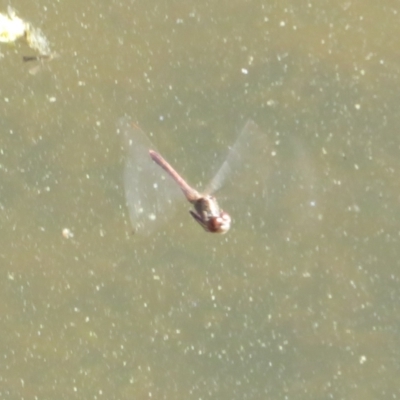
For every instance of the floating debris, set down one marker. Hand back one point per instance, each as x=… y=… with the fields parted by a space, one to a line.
x=13 y=28
x=41 y=59
x=37 y=41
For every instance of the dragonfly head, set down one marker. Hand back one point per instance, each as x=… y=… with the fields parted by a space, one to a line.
x=220 y=224
x=214 y=224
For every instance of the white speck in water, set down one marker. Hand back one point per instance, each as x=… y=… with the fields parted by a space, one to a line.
x=152 y=217
x=66 y=232
x=245 y=71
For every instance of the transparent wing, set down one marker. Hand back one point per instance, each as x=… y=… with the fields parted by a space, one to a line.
x=246 y=163
x=150 y=194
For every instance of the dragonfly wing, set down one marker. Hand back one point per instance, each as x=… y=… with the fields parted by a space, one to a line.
x=245 y=160
x=149 y=192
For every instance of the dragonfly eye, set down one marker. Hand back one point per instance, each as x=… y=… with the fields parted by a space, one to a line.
x=222 y=223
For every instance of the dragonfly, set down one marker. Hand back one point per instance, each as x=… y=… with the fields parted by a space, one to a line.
x=207 y=211
x=149 y=178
